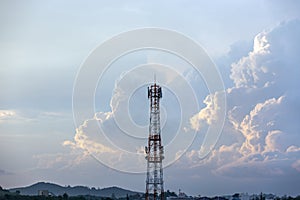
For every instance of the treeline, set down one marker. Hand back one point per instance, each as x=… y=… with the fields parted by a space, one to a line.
x=60 y=197
x=6 y=195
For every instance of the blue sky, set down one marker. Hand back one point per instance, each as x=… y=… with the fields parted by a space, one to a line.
x=253 y=45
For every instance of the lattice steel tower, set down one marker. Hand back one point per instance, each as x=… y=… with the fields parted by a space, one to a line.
x=154 y=151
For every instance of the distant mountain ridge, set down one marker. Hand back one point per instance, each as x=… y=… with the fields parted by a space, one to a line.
x=74 y=191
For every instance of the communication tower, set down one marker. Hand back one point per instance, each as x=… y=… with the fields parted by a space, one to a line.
x=154 y=151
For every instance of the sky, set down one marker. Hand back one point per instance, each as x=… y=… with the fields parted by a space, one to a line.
x=74 y=107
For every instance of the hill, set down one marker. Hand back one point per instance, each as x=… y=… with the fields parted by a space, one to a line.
x=73 y=191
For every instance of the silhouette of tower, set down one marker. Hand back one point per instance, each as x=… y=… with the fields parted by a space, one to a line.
x=154 y=151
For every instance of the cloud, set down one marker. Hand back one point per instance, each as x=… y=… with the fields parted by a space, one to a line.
x=260 y=137
x=21 y=116
x=91 y=138
x=207 y=115
x=87 y=142
x=7 y=115
x=13 y=116
x=246 y=73
x=293 y=149
x=255 y=127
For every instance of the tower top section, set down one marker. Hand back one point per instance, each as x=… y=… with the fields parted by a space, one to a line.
x=154 y=91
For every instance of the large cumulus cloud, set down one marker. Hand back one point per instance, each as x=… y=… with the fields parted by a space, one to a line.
x=262 y=118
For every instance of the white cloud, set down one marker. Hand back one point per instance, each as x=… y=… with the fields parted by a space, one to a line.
x=25 y=116
x=83 y=140
x=14 y=116
x=7 y=115
x=273 y=141
x=207 y=115
x=250 y=71
x=91 y=137
x=293 y=149
x=262 y=121
x=210 y=113
x=256 y=125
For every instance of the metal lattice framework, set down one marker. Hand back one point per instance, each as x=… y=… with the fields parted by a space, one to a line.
x=154 y=151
